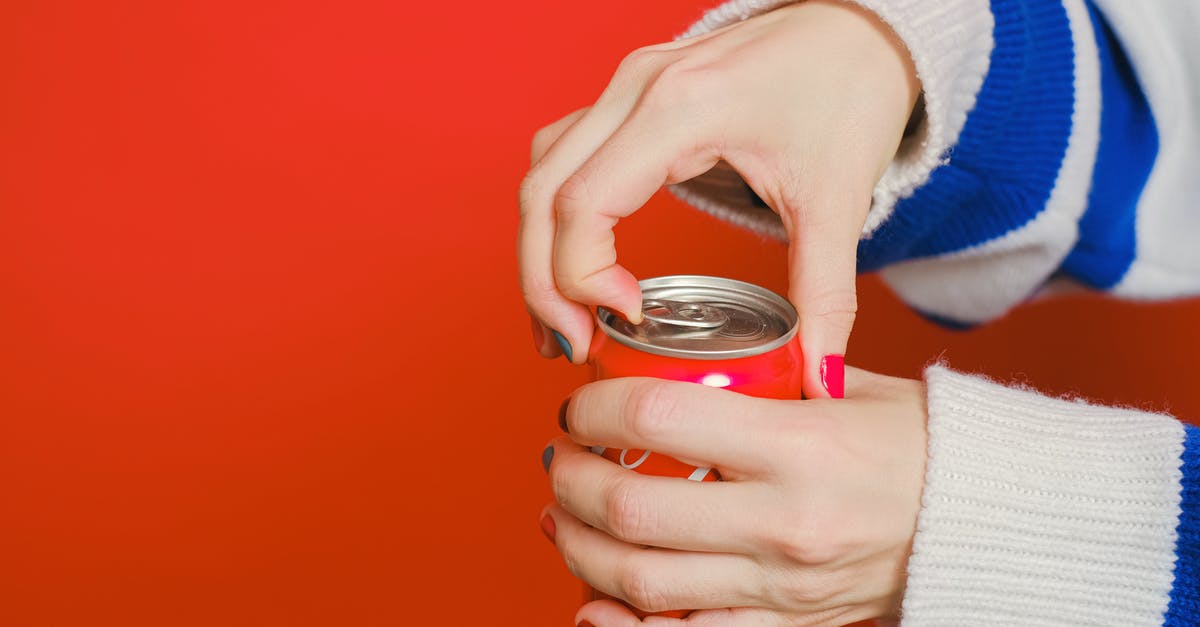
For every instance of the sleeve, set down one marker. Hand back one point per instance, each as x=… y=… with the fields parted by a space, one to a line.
x=1055 y=150
x=1043 y=511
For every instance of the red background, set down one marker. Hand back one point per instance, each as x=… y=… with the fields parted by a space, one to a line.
x=263 y=360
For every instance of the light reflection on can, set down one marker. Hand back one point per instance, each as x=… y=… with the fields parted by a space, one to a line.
x=709 y=330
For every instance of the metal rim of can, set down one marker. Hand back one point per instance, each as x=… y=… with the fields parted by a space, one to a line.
x=759 y=296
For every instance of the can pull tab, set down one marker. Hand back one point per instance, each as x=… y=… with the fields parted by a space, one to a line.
x=684 y=314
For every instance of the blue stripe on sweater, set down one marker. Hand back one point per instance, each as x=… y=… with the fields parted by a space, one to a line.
x=1005 y=164
x=1185 y=594
x=1128 y=147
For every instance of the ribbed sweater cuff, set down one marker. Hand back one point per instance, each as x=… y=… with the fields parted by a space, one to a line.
x=1185 y=594
x=950 y=42
x=1042 y=511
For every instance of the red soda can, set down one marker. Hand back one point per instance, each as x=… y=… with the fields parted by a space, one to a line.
x=708 y=330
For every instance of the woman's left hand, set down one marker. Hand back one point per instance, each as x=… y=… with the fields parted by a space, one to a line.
x=812 y=522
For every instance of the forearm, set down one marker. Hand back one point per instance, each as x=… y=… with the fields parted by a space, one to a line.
x=1050 y=511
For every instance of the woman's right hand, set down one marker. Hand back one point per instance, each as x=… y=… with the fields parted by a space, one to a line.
x=811 y=524
x=808 y=103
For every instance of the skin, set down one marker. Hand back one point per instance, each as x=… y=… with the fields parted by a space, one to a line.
x=812 y=523
x=807 y=103
x=814 y=520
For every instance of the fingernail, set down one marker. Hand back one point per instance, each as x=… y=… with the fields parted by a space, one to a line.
x=539 y=335
x=833 y=375
x=562 y=415
x=547 y=457
x=563 y=344
x=548 y=527
x=585 y=623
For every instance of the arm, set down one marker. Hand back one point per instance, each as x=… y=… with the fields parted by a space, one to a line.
x=1041 y=510
x=1058 y=144
x=1072 y=166
x=1033 y=510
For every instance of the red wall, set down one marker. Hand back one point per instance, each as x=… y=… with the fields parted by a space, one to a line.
x=263 y=360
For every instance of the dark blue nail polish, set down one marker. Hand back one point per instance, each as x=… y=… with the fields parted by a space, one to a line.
x=547 y=457
x=562 y=343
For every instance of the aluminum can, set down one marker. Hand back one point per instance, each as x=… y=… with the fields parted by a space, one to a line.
x=708 y=330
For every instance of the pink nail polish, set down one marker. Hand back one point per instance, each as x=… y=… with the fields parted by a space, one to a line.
x=833 y=375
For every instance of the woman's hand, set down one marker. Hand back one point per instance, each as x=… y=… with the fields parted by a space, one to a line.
x=811 y=524
x=808 y=103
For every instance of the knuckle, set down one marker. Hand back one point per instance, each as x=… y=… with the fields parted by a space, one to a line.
x=626 y=510
x=795 y=547
x=532 y=187
x=585 y=280
x=805 y=446
x=560 y=486
x=835 y=306
x=649 y=409
x=837 y=302
x=762 y=589
x=640 y=60
x=570 y=559
x=572 y=197
x=798 y=439
x=538 y=289
x=643 y=590
x=806 y=541
x=681 y=85
x=571 y=288
x=795 y=201
x=542 y=140
x=804 y=589
x=676 y=76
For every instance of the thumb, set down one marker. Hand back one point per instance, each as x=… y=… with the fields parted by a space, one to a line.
x=822 y=267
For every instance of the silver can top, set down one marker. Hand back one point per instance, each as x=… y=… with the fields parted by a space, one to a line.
x=704 y=317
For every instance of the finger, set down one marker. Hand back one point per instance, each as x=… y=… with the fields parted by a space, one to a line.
x=543 y=341
x=822 y=267
x=612 y=614
x=652 y=579
x=659 y=511
x=609 y=613
x=570 y=320
x=692 y=422
x=547 y=135
x=665 y=140
x=740 y=617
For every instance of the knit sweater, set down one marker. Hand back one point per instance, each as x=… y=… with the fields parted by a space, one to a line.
x=1057 y=149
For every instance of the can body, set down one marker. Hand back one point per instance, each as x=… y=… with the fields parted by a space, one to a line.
x=757 y=362
x=775 y=374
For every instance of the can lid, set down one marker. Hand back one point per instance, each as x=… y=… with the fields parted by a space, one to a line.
x=703 y=317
